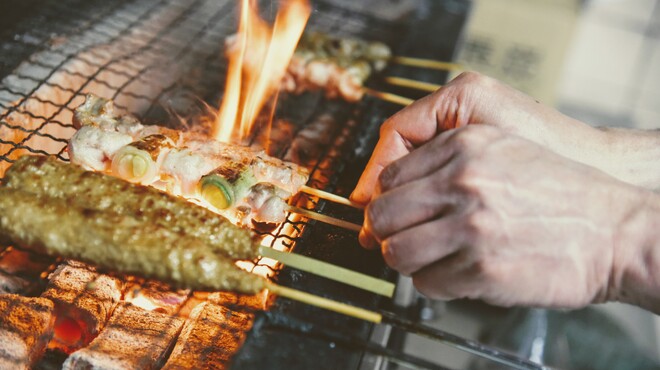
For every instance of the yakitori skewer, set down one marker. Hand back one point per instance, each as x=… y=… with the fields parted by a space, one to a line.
x=326 y=303
x=330 y=197
x=427 y=63
x=330 y=271
x=240 y=183
x=413 y=84
x=389 y=97
x=341 y=66
x=324 y=218
x=55 y=226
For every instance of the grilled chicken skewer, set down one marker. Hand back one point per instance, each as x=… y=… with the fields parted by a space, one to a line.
x=241 y=183
x=337 y=66
x=341 y=66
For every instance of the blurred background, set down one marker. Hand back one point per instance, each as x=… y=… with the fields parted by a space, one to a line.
x=598 y=61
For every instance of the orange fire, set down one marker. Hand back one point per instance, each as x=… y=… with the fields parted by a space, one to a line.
x=258 y=57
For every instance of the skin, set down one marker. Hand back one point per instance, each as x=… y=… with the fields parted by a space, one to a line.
x=486 y=211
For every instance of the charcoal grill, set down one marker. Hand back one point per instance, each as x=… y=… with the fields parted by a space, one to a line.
x=161 y=61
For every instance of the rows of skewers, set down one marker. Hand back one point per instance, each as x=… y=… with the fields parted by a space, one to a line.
x=340 y=67
x=242 y=184
x=136 y=229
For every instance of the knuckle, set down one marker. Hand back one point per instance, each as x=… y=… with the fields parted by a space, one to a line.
x=392 y=253
x=468 y=137
x=486 y=270
x=386 y=127
x=428 y=288
x=387 y=177
x=376 y=219
x=473 y=78
x=480 y=223
x=466 y=176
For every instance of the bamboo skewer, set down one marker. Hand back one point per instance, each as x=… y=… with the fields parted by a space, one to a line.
x=413 y=84
x=427 y=63
x=457 y=342
x=325 y=303
x=389 y=97
x=331 y=197
x=330 y=271
x=324 y=218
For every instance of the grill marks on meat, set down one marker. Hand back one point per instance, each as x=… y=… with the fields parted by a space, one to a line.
x=84 y=300
x=48 y=177
x=26 y=326
x=133 y=339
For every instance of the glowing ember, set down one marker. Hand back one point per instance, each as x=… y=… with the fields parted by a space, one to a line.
x=144 y=303
x=68 y=330
x=258 y=59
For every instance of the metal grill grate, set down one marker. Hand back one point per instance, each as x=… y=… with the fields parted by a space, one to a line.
x=154 y=59
x=144 y=55
x=161 y=60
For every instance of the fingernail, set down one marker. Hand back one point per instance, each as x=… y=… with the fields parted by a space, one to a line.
x=366 y=240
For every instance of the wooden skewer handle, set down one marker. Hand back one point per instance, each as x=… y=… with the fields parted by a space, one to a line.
x=413 y=84
x=330 y=271
x=323 y=218
x=427 y=63
x=331 y=197
x=392 y=98
x=325 y=303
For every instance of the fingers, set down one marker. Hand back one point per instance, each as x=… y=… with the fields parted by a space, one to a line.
x=409 y=128
x=419 y=163
x=447 y=279
x=406 y=206
x=412 y=249
x=457 y=104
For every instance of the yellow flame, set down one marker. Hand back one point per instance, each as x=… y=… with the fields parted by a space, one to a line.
x=258 y=59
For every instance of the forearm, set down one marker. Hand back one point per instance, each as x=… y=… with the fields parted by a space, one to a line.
x=635 y=275
x=634 y=156
x=630 y=155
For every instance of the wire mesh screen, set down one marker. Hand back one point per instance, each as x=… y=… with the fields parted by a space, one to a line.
x=156 y=59
x=162 y=61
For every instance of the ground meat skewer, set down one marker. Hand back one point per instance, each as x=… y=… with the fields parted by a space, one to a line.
x=118 y=242
x=49 y=177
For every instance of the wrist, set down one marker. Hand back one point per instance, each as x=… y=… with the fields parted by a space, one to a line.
x=635 y=275
x=632 y=156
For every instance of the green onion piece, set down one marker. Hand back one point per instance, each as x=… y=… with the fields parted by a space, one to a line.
x=133 y=164
x=217 y=191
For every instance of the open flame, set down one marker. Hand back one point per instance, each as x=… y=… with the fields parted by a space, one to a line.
x=258 y=57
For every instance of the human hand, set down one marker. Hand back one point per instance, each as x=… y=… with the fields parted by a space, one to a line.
x=472 y=98
x=479 y=213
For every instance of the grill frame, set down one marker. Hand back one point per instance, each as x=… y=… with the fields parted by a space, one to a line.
x=341 y=341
